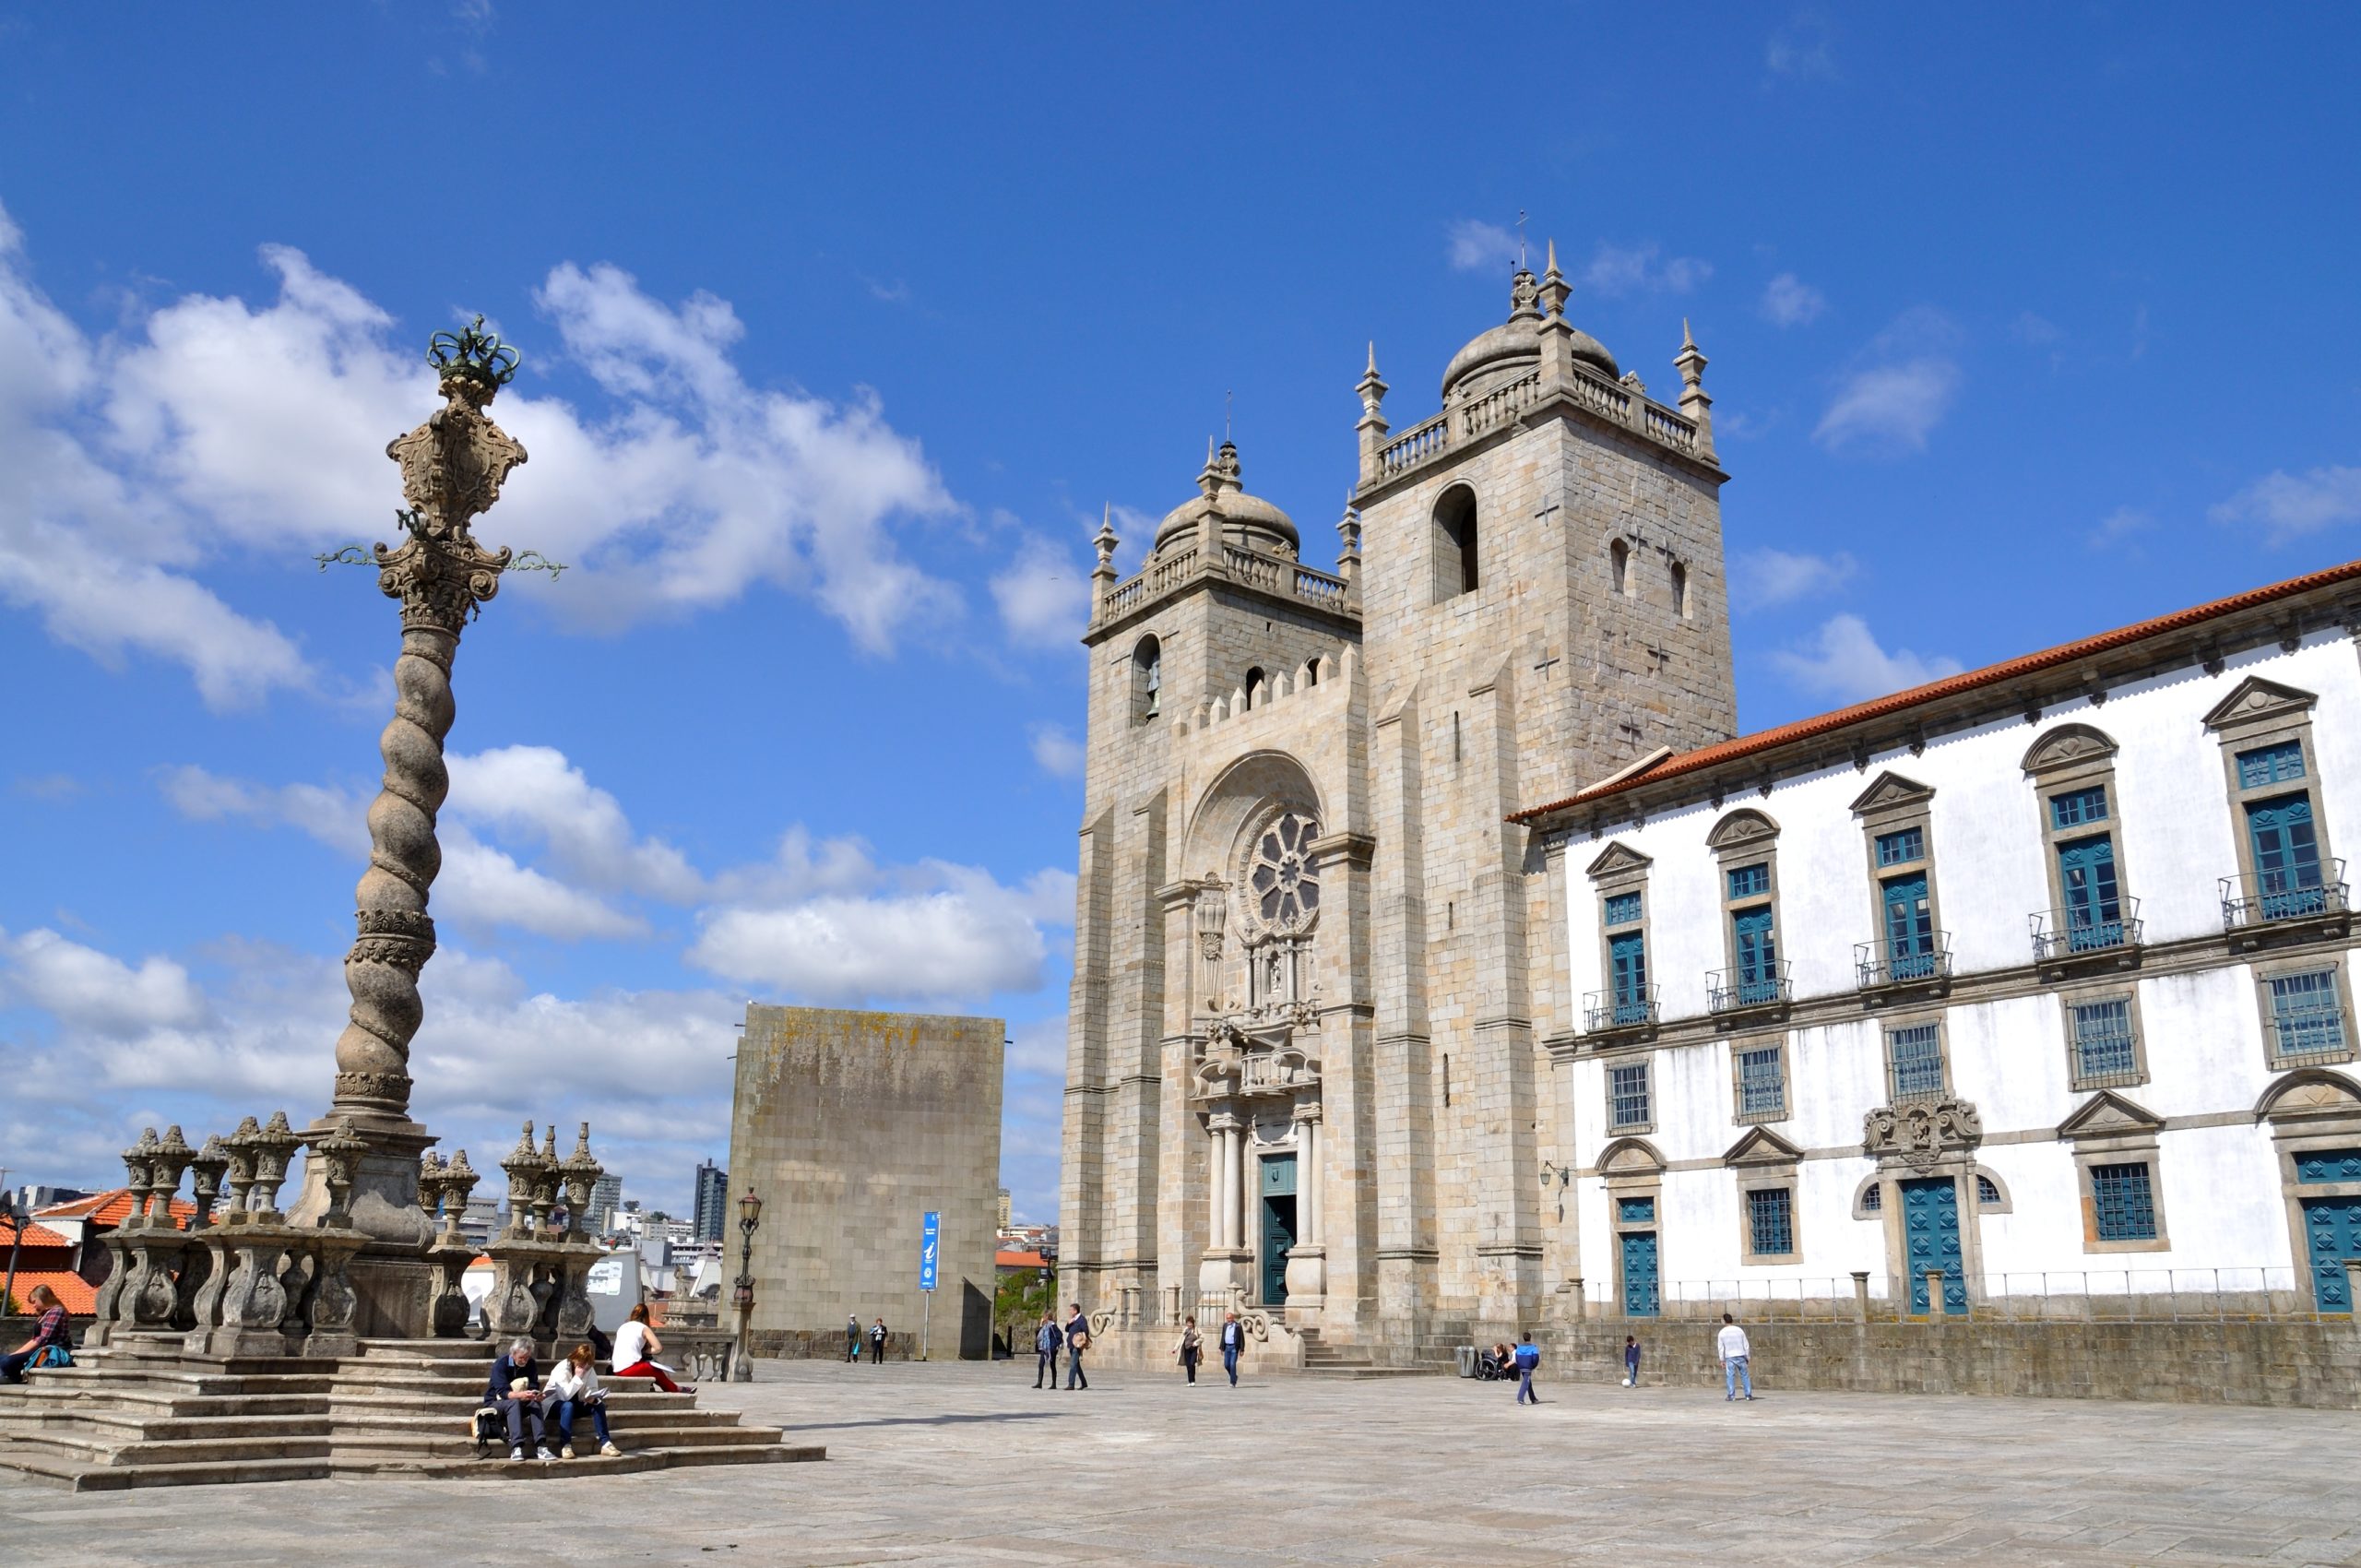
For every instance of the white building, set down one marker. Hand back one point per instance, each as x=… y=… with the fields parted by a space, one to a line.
x=2036 y=976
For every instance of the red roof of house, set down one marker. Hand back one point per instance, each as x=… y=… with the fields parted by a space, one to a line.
x=1020 y=1260
x=75 y=1294
x=1952 y=686
x=37 y=1235
x=108 y=1210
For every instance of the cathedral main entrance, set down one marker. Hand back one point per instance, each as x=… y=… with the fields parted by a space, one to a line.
x=1278 y=1226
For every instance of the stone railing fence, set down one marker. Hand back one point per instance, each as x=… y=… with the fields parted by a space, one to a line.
x=1185 y=563
x=2124 y=1295
x=541 y=1261
x=1489 y=412
x=244 y=1282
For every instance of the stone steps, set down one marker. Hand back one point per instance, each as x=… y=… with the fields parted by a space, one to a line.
x=135 y=1415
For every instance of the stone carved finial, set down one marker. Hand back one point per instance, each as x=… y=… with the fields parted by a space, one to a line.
x=1555 y=291
x=274 y=1145
x=1694 y=403
x=210 y=1164
x=580 y=1171
x=1524 y=293
x=240 y=1147
x=452 y=469
x=165 y=1165
x=522 y=1167
x=340 y=1151
x=459 y=1182
x=139 y=1174
x=1105 y=542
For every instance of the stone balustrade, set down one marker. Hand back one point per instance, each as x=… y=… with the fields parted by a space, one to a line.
x=541 y=1263
x=1276 y=574
x=1503 y=405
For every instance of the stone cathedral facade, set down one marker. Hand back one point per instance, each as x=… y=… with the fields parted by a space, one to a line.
x=1317 y=968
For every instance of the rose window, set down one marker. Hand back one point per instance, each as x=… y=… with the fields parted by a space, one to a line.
x=1286 y=889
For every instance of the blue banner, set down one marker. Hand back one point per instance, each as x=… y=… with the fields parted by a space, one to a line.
x=930 y=1249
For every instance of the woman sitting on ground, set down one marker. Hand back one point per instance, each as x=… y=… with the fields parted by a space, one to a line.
x=636 y=1349
x=574 y=1388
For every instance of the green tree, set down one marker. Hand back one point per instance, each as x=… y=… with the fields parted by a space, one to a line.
x=1018 y=1302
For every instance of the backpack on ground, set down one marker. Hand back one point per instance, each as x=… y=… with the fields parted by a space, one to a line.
x=488 y=1429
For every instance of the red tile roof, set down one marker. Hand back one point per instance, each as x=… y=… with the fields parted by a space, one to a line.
x=37 y=1235
x=1952 y=686
x=1019 y=1260
x=105 y=1210
x=75 y=1294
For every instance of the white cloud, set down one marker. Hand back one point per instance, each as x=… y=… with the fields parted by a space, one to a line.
x=1044 y=597
x=2120 y=528
x=1616 y=270
x=1843 y=662
x=1476 y=245
x=335 y=817
x=1901 y=388
x=963 y=939
x=1805 y=49
x=535 y=792
x=85 y=989
x=1788 y=301
x=1057 y=752
x=481 y=887
x=2287 y=506
x=1761 y=579
x=213 y=427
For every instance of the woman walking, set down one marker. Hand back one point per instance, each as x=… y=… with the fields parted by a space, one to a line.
x=1190 y=1348
x=636 y=1349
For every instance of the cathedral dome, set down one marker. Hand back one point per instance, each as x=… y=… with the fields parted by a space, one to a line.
x=1514 y=345
x=1246 y=519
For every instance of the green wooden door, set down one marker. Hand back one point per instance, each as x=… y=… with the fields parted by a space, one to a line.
x=1278 y=1226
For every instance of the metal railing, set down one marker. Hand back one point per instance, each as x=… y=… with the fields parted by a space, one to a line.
x=2267 y=900
x=1877 y=964
x=2105 y=1059
x=2069 y=933
x=2305 y=1033
x=1757 y=985
x=1604 y=1010
x=2135 y=1294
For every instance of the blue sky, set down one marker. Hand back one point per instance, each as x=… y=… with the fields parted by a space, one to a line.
x=840 y=329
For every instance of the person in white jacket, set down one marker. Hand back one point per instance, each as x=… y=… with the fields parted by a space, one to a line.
x=573 y=1388
x=1731 y=1343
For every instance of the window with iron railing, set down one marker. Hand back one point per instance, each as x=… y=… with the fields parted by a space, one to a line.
x=1916 y=1057
x=1771 y=1221
x=2123 y=1202
x=2105 y=1055
x=2308 y=1018
x=1627 y=1096
x=1762 y=1084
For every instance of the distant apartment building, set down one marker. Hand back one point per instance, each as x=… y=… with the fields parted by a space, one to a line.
x=606 y=1198
x=711 y=1213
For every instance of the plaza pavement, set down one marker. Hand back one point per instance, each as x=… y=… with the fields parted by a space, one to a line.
x=955 y=1464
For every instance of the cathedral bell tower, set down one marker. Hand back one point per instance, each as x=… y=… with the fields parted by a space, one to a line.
x=1543 y=604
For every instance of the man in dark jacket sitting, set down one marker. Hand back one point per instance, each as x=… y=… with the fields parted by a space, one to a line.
x=516 y=1391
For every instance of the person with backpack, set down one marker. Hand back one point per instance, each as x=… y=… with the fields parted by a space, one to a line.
x=52 y=1344
x=1047 y=1340
x=1528 y=1357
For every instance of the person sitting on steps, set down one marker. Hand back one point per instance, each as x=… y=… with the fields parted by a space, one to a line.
x=636 y=1349
x=573 y=1388
x=49 y=1333
x=515 y=1391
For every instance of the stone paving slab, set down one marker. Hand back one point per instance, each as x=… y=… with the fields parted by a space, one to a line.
x=954 y=1465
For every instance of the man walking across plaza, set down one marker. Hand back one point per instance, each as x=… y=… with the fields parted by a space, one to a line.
x=1046 y=1341
x=1528 y=1357
x=1735 y=1352
x=1077 y=1341
x=852 y=1337
x=1233 y=1340
x=877 y=1341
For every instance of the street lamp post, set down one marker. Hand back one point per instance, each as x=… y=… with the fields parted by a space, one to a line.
x=15 y=1216
x=750 y=1220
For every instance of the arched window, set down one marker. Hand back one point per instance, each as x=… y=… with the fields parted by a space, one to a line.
x=1311 y=670
x=1618 y=557
x=1456 y=569
x=1681 y=590
x=1988 y=1191
x=1148 y=680
x=1258 y=687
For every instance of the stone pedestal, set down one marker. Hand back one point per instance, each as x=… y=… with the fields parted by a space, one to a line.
x=1224 y=1270
x=1307 y=1282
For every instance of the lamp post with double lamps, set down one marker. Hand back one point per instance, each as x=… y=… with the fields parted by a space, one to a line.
x=750 y=1220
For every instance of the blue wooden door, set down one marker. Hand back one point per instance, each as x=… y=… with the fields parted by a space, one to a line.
x=2332 y=1225
x=1758 y=956
x=1930 y=1240
x=2287 y=857
x=1627 y=956
x=1640 y=1296
x=1278 y=1226
x=2094 y=904
x=1909 y=927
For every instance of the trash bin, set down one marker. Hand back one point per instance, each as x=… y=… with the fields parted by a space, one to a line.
x=1467 y=1361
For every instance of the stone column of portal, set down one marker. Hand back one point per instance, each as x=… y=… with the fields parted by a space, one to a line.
x=452 y=468
x=1216 y=1271
x=1308 y=1260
